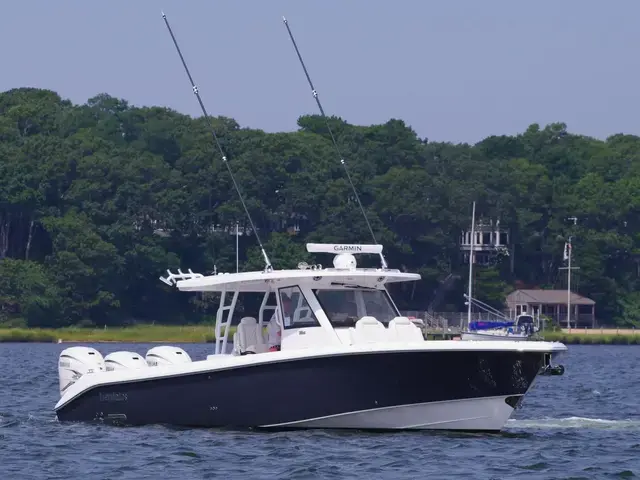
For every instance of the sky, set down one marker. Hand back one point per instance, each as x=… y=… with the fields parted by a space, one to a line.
x=456 y=70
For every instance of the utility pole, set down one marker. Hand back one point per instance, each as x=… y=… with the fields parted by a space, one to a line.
x=567 y=257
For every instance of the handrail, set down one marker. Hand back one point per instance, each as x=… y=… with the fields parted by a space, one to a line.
x=172 y=278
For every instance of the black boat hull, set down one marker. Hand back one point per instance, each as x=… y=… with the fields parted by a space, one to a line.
x=457 y=390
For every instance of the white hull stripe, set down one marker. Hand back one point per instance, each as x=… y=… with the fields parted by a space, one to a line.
x=495 y=417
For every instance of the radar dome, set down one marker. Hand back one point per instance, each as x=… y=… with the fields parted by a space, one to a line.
x=344 y=261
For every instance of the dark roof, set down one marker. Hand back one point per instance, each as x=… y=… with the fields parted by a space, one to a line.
x=547 y=297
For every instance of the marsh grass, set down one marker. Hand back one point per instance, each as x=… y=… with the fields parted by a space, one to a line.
x=133 y=334
x=205 y=334
x=577 y=338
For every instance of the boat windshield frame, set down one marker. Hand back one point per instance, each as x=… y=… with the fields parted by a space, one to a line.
x=295 y=309
x=342 y=319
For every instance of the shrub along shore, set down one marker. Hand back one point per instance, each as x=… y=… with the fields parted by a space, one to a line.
x=205 y=333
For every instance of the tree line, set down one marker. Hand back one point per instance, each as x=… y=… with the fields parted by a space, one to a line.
x=98 y=200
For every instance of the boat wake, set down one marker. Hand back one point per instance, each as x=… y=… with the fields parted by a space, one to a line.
x=573 y=422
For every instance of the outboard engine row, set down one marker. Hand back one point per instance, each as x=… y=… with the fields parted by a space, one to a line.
x=77 y=361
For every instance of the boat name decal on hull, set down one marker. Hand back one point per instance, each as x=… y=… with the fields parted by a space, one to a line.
x=114 y=397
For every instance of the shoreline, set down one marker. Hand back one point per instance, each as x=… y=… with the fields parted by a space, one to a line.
x=134 y=334
x=594 y=337
x=204 y=333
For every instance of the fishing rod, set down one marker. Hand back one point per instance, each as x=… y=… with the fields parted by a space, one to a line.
x=268 y=266
x=333 y=139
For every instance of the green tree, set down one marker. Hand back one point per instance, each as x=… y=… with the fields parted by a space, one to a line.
x=97 y=200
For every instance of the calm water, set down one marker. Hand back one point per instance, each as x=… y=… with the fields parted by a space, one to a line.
x=585 y=424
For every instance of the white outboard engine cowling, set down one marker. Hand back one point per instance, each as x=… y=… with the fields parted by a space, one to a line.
x=166 y=355
x=77 y=361
x=124 y=361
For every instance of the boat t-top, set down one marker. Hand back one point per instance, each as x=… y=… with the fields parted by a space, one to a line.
x=336 y=353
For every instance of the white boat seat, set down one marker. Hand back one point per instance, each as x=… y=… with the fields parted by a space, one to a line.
x=248 y=337
x=368 y=330
x=401 y=329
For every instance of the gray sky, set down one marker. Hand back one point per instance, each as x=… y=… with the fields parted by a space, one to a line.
x=455 y=70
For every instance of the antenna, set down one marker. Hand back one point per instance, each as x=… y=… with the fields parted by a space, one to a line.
x=268 y=266
x=333 y=139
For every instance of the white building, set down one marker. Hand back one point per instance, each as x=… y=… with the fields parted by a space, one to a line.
x=490 y=241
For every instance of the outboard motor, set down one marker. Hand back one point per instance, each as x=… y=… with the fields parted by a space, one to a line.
x=549 y=369
x=124 y=361
x=166 y=355
x=77 y=361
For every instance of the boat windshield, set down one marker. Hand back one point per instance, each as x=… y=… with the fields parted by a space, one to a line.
x=345 y=306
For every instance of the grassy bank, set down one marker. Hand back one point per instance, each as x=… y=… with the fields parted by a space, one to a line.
x=205 y=333
x=135 y=334
x=594 y=337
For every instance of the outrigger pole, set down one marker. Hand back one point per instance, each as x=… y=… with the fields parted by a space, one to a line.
x=333 y=139
x=268 y=266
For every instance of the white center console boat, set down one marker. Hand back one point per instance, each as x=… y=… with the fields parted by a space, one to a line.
x=347 y=359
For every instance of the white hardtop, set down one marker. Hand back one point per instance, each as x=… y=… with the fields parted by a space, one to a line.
x=344 y=271
x=265 y=281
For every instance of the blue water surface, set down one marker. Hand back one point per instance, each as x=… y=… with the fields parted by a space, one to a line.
x=585 y=424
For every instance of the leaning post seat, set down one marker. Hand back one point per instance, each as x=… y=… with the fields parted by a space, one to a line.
x=401 y=329
x=368 y=330
x=248 y=338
